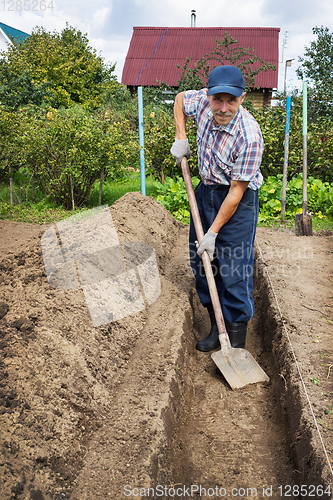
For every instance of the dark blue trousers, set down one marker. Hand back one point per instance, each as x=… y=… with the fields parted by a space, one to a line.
x=234 y=257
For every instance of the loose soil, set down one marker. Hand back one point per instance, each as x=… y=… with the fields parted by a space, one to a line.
x=131 y=409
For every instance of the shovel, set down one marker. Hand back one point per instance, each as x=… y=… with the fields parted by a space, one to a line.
x=238 y=366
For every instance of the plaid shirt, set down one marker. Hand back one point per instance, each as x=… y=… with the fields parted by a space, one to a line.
x=225 y=152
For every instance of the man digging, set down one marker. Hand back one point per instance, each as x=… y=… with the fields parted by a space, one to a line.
x=230 y=148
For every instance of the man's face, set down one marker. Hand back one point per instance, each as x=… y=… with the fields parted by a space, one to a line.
x=224 y=107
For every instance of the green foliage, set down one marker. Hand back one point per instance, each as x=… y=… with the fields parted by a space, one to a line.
x=319 y=141
x=173 y=196
x=122 y=148
x=66 y=148
x=316 y=68
x=320 y=197
x=113 y=189
x=9 y=142
x=39 y=212
x=117 y=104
x=62 y=63
x=19 y=91
x=159 y=137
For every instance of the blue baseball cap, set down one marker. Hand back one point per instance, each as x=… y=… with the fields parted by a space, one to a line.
x=226 y=79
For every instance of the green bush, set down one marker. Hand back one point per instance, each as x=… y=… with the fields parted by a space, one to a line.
x=159 y=137
x=66 y=149
x=173 y=196
x=319 y=142
x=59 y=69
x=320 y=197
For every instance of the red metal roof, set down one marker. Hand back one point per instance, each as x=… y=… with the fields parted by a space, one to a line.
x=154 y=53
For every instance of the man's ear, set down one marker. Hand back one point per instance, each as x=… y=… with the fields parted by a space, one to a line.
x=243 y=97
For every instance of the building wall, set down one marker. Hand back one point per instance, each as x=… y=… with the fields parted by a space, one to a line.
x=260 y=97
x=3 y=41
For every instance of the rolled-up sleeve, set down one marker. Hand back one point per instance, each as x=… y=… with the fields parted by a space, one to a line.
x=247 y=164
x=191 y=102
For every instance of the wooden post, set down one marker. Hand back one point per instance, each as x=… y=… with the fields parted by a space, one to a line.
x=11 y=191
x=307 y=218
x=285 y=160
x=72 y=192
x=303 y=221
x=101 y=187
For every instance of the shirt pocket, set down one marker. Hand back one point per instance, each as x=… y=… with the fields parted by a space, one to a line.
x=221 y=165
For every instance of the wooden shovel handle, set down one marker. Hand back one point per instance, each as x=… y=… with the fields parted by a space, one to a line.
x=205 y=258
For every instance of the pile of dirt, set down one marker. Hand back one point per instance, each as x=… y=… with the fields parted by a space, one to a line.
x=60 y=376
x=85 y=410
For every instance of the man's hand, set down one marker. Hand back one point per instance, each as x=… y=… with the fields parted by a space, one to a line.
x=179 y=149
x=208 y=244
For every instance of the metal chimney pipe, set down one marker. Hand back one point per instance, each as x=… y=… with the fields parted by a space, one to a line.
x=193 y=19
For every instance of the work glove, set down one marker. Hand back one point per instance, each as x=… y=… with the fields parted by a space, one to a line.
x=208 y=244
x=179 y=149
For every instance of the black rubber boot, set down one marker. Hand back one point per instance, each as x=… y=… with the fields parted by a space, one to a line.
x=211 y=342
x=237 y=336
x=237 y=333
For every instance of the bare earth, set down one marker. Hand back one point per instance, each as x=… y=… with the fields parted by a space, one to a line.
x=130 y=409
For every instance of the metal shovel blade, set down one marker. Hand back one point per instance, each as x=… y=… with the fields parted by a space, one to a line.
x=238 y=366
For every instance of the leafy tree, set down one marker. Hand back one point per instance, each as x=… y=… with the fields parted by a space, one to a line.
x=65 y=149
x=118 y=104
x=316 y=69
x=65 y=62
x=159 y=136
x=16 y=92
x=319 y=139
x=9 y=151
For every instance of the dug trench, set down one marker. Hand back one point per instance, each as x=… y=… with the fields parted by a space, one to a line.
x=131 y=409
x=256 y=442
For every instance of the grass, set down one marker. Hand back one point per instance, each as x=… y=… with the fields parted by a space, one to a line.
x=324 y=223
x=113 y=190
x=43 y=211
